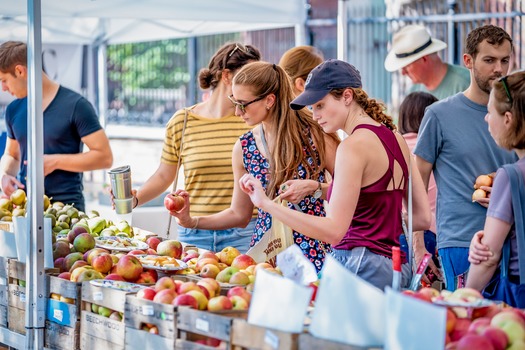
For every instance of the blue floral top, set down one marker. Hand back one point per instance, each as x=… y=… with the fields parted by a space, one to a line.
x=256 y=165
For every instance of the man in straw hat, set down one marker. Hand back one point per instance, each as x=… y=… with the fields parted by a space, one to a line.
x=454 y=143
x=414 y=51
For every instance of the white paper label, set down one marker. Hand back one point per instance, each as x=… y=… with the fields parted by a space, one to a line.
x=97 y=296
x=271 y=339
x=23 y=297
x=58 y=314
x=202 y=325
x=147 y=310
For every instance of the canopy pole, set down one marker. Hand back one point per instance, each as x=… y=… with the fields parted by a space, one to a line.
x=342 y=30
x=35 y=276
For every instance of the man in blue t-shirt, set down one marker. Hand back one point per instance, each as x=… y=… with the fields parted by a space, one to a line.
x=69 y=122
x=454 y=143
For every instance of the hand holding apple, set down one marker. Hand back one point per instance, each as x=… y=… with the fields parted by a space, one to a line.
x=173 y=202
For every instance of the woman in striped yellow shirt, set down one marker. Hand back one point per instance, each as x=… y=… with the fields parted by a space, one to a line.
x=206 y=156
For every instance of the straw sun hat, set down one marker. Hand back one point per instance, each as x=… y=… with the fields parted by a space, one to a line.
x=410 y=44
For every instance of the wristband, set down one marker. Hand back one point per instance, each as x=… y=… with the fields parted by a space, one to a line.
x=196 y=223
x=137 y=203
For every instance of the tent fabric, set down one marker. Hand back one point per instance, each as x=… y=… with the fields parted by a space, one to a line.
x=124 y=21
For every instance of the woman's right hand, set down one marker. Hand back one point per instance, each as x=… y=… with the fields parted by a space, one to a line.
x=478 y=252
x=134 y=200
x=253 y=188
x=183 y=216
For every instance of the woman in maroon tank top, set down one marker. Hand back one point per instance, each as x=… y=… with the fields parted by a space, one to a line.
x=370 y=183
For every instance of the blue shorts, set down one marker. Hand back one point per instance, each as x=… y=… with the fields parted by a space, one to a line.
x=216 y=240
x=373 y=268
x=430 y=243
x=454 y=262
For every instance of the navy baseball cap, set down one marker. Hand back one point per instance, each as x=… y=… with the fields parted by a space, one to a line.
x=331 y=74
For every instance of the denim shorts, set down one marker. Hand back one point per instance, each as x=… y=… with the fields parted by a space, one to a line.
x=216 y=240
x=454 y=262
x=374 y=268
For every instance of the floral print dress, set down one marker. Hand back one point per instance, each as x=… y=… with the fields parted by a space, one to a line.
x=256 y=165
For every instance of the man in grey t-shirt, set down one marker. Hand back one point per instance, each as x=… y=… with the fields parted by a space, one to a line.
x=454 y=142
x=415 y=53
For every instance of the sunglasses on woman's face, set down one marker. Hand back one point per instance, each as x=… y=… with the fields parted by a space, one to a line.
x=242 y=106
x=503 y=80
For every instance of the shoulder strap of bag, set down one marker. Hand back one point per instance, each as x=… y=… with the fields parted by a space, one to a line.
x=517 y=184
x=178 y=166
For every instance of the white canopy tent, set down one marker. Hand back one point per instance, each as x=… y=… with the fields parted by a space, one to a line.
x=123 y=21
x=97 y=23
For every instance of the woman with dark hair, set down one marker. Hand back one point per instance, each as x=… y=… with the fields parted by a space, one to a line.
x=284 y=146
x=411 y=112
x=370 y=181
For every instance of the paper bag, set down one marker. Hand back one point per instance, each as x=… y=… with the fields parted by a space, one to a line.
x=348 y=309
x=275 y=240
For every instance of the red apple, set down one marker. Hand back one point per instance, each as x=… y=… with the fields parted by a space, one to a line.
x=210 y=289
x=151 y=251
x=201 y=298
x=173 y=202
x=129 y=267
x=153 y=242
x=497 y=337
x=70 y=259
x=164 y=296
x=102 y=262
x=479 y=324
x=154 y=330
x=241 y=292
x=154 y=275
x=225 y=275
x=170 y=248
x=209 y=255
x=213 y=283
x=59 y=264
x=219 y=303
x=187 y=286
x=165 y=283
x=510 y=323
x=60 y=249
x=84 y=242
x=74 y=232
x=186 y=299
x=206 y=261
x=115 y=315
x=146 y=293
x=204 y=291
x=136 y=252
x=243 y=261
x=145 y=278
x=77 y=264
x=461 y=328
x=87 y=275
x=190 y=255
x=65 y=275
x=474 y=341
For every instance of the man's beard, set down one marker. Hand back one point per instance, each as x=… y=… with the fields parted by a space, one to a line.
x=484 y=84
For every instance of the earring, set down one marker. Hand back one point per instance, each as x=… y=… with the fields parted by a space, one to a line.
x=267 y=108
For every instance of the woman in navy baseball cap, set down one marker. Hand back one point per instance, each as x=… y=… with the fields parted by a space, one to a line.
x=370 y=180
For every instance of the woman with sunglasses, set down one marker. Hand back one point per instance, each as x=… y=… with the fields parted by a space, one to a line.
x=212 y=129
x=370 y=181
x=506 y=122
x=283 y=145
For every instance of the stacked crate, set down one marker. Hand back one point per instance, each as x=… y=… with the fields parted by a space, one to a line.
x=248 y=336
x=63 y=314
x=98 y=331
x=16 y=314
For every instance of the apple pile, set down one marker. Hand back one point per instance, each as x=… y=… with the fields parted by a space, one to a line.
x=491 y=327
x=201 y=295
x=14 y=205
x=482 y=180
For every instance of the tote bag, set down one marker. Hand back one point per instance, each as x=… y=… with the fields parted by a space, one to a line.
x=500 y=287
x=275 y=240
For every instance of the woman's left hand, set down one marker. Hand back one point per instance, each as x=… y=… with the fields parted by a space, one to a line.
x=295 y=190
x=253 y=188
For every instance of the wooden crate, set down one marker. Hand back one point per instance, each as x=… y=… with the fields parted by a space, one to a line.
x=140 y=311
x=60 y=311
x=4 y=267
x=89 y=342
x=16 y=320
x=59 y=337
x=247 y=336
x=16 y=279
x=137 y=339
x=309 y=342
x=96 y=329
x=195 y=324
